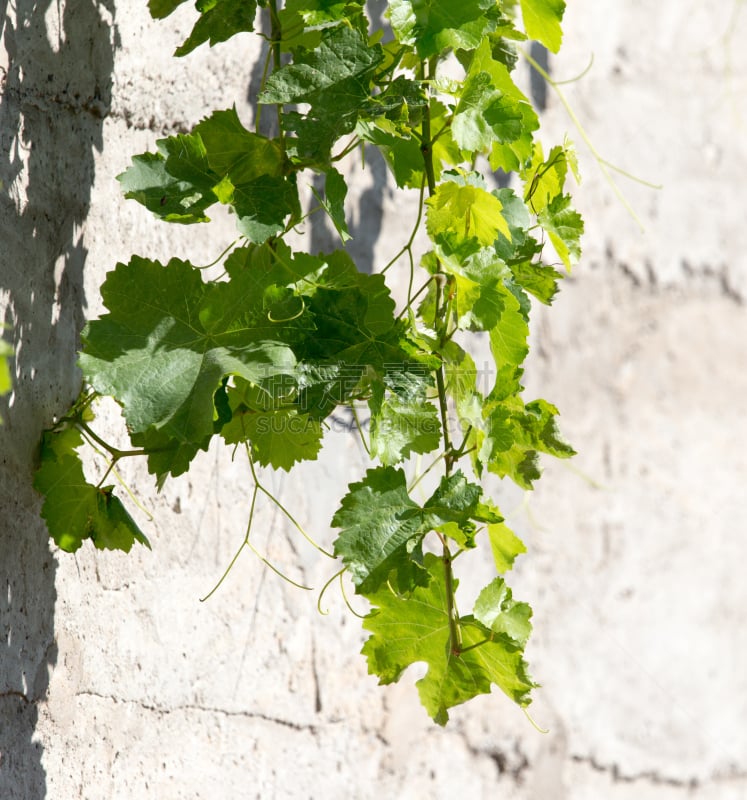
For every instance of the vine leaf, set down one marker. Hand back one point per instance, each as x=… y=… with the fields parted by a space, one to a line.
x=506 y=546
x=442 y=24
x=415 y=629
x=564 y=226
x=176 y=183
x=497 y=610
x=542 y=19
x=279 y=436
x=403 y=421
x=333 y=202
x=463 y=217
x=219 y=21
x=455 y=506
x=383 y=527
x=514 y=434
x=485 y=115
x=6 y=384
x=334 y=79
x=219 y=161
x=75 y=509
x=168 y=342
x=382 y=530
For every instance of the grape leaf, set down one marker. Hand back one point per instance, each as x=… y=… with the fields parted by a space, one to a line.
x=508 y=338
x=401 y=423
x=542 y=20
x=232 y=150
x=401 y=148
x=498 y=108
x=505 y=545
x=496 y=610
x=219 y=161
x=544 y=178
x=564 y=226
x=515 y=433
x=382 y=530
x=333 y=202
x=440 y=25
x=159 y=9
x=463 y=217
x=169 y=340
x=219 y=21
x=485 y=115
x=334 y=79
x=181 y=195
x=75 y=509
x=279 y=436
x=415 y=629
x=6 y=383
x=455 y=506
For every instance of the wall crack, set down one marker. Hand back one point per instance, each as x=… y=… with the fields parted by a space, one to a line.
x=165 y=711
x=656 y=778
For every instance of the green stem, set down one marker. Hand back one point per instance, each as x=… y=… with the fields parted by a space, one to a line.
x=455 y=634
x=285 y=511
x=114 y=452
x=276 y=35
x=604 y=166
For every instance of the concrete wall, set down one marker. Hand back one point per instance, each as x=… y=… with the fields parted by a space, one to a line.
x=116 y=682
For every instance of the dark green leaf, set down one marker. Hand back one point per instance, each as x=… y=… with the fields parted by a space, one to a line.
x=219 y=21
x=75 y=509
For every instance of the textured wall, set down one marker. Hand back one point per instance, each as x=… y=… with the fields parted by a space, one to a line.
x=116 y=682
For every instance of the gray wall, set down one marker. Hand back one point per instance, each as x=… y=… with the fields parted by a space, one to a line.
x=116 y=682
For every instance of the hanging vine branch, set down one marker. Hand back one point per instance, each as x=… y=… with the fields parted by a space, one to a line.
x=263 y=355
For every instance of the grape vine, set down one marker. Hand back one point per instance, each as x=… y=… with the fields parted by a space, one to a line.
x=264 y=354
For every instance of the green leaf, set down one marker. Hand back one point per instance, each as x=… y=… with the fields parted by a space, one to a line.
x=219 y=21
x=159 y=9
x=382 y=530
x=401 y=149
x=508 y=338
x=263 y=205
x=514 y=434
x=231 y=150
x=279 y=436
x=334 y=79
x=505 y=545
x=333 y=202
x=414 y=629
x=496 y=610
x=174 y=199
x=463 y=217
x=435 y=26
x=564 y=226
x=485 y=115
x=6 y=382
x=455 y=506
x=498 y=111
x=75 y=509
x=401 y=423
x=542 y=20
x=544 y=179
x=169 y=340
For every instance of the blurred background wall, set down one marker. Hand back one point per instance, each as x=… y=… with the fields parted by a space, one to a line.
x=116 y=682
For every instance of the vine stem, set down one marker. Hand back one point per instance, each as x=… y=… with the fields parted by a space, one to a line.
x=441 y=320
x=276 y=35
x=285 y=511
x=604 y=165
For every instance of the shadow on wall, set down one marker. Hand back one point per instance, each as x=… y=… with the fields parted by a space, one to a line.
x=55 y=81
